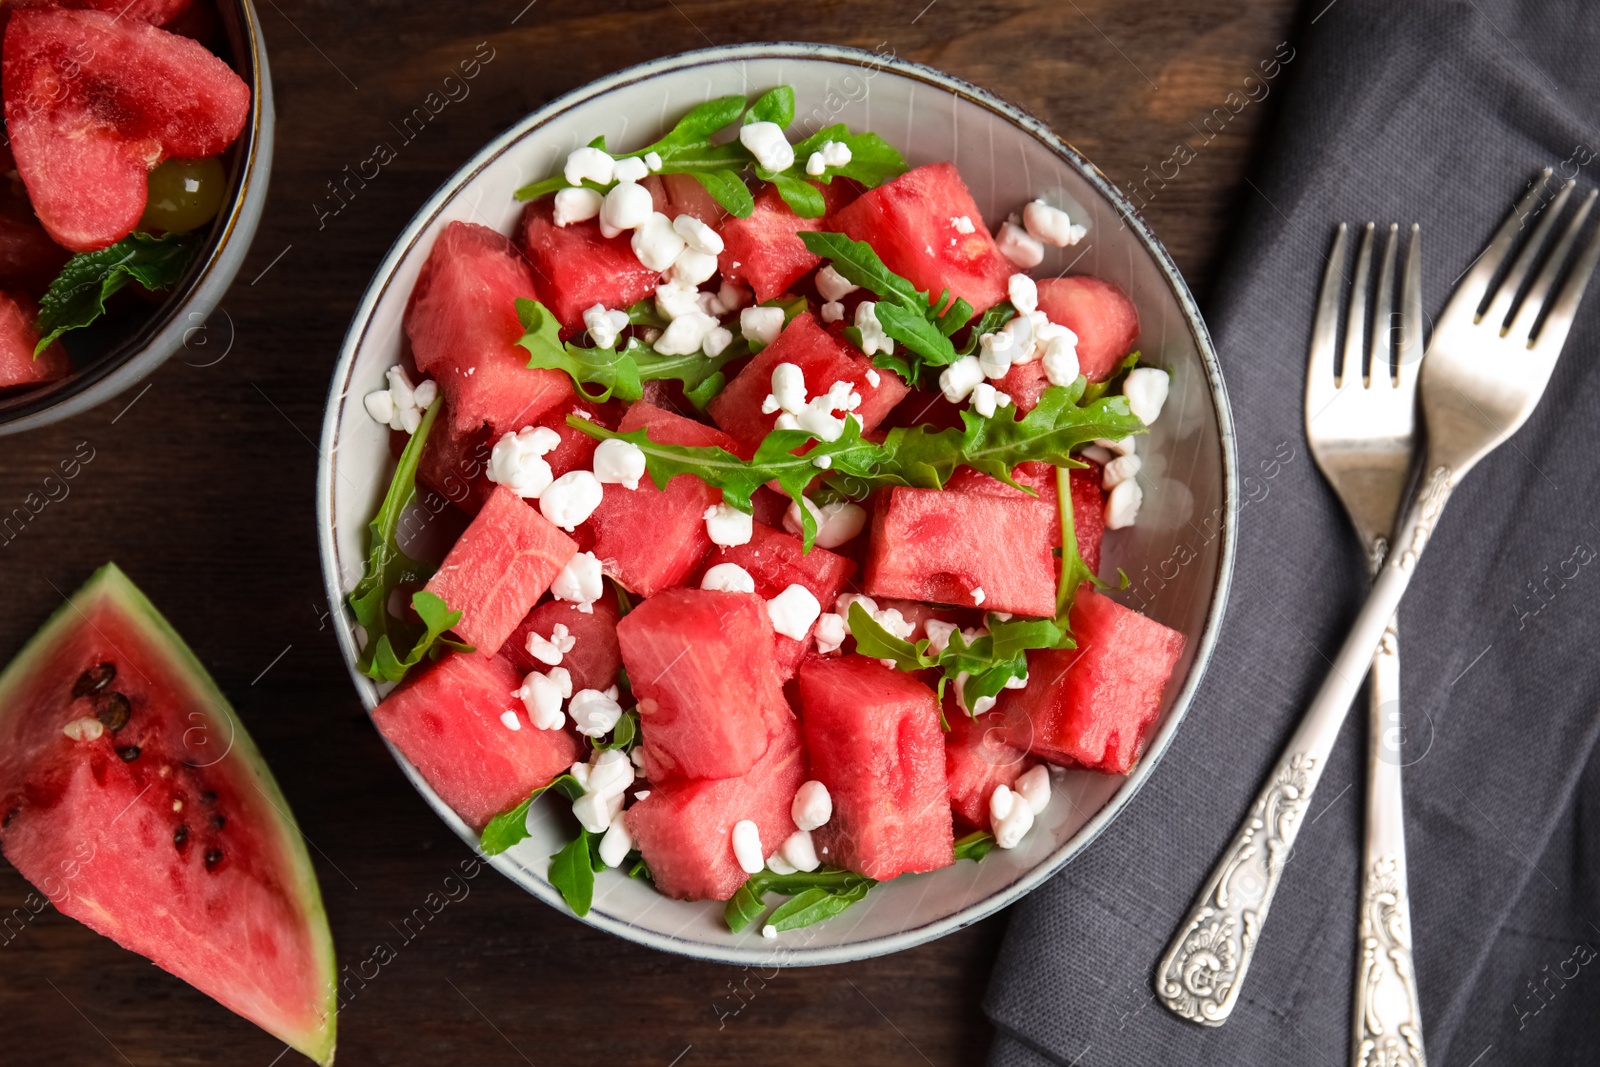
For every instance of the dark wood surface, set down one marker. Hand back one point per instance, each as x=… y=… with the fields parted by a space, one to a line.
x=201 y=487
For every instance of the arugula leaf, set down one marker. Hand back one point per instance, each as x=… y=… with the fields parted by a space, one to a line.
x=974 y=846
x=815 y=904
x=510 y=827
x=924 y=337
x=803 y=198
x=728 y=189
x=860 y=265
x=1096 y=390
x=639 y=869
x=774 y=105
x=436 y=618
x=79 y=293
x=873 y=160
x=623 y=734
x=700 y=123
x=572 y=872
x=990 y=321
x=748 y=903
x=645 y=313
x=1074 y=571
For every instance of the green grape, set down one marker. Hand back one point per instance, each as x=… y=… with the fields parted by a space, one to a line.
x=184 y=195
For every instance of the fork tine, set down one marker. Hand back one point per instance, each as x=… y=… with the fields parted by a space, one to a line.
x=1382 y=345
x=1355 y=322
x=1408 y=356
x=1325 y=330
x=1499 y=312
x=1533 y=303
x=1553 y=334
x=1474 y=285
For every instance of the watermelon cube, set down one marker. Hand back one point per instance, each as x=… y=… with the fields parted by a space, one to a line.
x=595 y=657
x=456 y=465
x=700 y=662
x=764 y=252
x=969 y=549
x=910 y=222
x=686 y=196
x=577 y=268
x=777 y=560
x=447 y=721
x=1024 y=383
x=823 y=359
x=650 y=539
x=976 y=759
x=502 y=564
x=1091 y=706
x=576 y=450
x=18 y=367
x=462 y=321
x=684 y=829
x=1088 y=514
x=1103 y=317
x=873 y=737
x=1088 y=500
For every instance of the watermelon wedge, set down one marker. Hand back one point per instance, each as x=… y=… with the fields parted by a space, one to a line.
x=764 y=251
x=133 y=797
x=976 y=759
x=18 y=366
x=1105 y=320
x=594 y=659
x=577 y=268
x=94 y=102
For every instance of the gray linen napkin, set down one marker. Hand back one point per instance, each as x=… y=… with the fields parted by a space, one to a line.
x=1437 y=113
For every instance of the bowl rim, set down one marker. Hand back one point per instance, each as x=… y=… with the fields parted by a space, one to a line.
x=206 y=280
x=405 y=242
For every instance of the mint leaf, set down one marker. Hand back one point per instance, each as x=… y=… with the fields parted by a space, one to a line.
x=974 y=846
x=572 y=873
x=748 y=903
x=436 y=618
x=79 y=293
x=1096 y=390
x=774 y=105
x=873 y=160
x=510 y=827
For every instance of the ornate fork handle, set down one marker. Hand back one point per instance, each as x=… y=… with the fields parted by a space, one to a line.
x=1200 y=975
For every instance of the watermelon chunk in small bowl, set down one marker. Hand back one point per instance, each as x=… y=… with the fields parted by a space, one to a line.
x=901 y=787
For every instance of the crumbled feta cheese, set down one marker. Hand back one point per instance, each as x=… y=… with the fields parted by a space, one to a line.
x=976 y=707
x=817 y=417
x=589 y=164
x=786 y=421
x=830 y=632
x=717 y=340
x=655 y=243
x=761 y=324
x=517 y=461
x=630 y=169
x=963 y=224
x=836 y=523
x=686 y=334
x=822 y=463
x=1018 y=246
x=380 y=405
x=697 y=235
x=831 y=285
x=727 y=526
x=619 y=462
x=593 y=713
x=938 y=632
x=812 y=806
x=1024 y=293
x=579 y=582
x=400 y=405
x=978 y=596
x=832 y=311
x=1011 y=816
x=788 y=390
x=1051 y=225
x=1096 y=453
x=549 y=650
x=994 y=353
x=1122 y=506
x=778 y=865
x=873 y=378
x=617 y=843
x=800 y=852
x=769 y=931
x=1146 y=389
x=626 y=206
x=1033 y=785
x=793 y=611
x=509 y=720
x=541 y=694
x=873 y=339
x=604 y=326
x=836 y=153
x=772 y=150
x=653 y=161
x=729 y=297
x=815 y=165
x=571 y=499
x=673 y=300
x=578 y=204
x=596 y=813
x=746 y=836
x=986 y=399
x=1061 y=359
x=87 y=728
x=1015 y=681
x=728 y=578
x=958 y=380
x=1118 y=471
x=1118 y=446
x=692 y=268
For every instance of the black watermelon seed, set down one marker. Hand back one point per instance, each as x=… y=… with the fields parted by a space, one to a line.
x=128 y=753
x=180 y=835
x=209 y=797
x=112 y=710
x=94 y=679
x=213 y=857
x=218 y=821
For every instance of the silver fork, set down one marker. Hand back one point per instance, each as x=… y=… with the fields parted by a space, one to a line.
x=1360 y=424
x=1484 y=373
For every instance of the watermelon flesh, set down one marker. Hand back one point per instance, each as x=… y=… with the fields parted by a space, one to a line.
x=823 y=360
x=18 y=365
x=684 y=829
x=595 y=657
x=29 y=259
x=976 y=759
x=1103 y=317
x=686 y=196
x=168 y=833
x=701 y=664
x=577 y=268
x=155 y=12
x=874 y=740
x=764 y=252
x=908 y=221
x=463 y=325
x=84 y=145
x=447 y=721
x=456 y=465
x=499 y=568
x=1088 y=500
x=1091 y=706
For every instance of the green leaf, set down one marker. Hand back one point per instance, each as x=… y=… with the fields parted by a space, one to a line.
x=699 y=124
x=860 y=265
x=645 y=313
x=1074 y=571
x=813 y=905
x=510 y=827
x=729 y=190
x=436 y=617
x=974 y=846
x=873 y=160
x=624 y=733
x=748 y=903
x=989 y=322
x=572 y=873
x=874 y=642
x=803 y=198
x=1096 y=390
x=79 y=293
x=915 y=331
x=775 y=105
x=639 y=869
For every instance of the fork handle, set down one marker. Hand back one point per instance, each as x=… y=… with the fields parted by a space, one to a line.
x=1202 y=972
x=1387 y=1017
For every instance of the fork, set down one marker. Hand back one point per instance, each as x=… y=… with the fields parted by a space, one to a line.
x=1487 y=365
x=1360 y=424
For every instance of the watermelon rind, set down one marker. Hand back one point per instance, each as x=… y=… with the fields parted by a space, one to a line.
x=111 y=584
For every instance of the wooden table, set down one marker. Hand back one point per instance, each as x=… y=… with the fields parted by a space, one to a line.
x=201 y=487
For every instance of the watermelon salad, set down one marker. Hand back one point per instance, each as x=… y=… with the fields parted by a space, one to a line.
x=117 y=115
x=781 y=487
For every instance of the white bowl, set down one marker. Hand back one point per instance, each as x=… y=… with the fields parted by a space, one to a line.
x=1179 y=556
